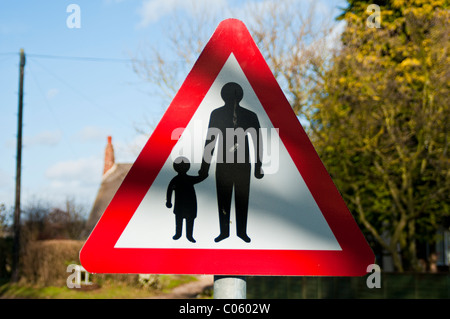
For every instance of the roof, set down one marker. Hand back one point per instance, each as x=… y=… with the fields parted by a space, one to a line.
x=111 y=181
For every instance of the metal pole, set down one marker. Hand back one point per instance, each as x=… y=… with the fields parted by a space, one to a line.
x=230 y=287
x=16 y=243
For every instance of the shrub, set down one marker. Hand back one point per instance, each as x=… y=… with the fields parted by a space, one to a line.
x=45 y=262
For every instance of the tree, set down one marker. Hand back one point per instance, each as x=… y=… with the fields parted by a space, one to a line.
x=43 y=221
x=375 y=104
x=382 y=122
x=3 y=220
x=296 y=39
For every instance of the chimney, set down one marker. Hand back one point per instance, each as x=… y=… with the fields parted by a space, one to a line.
x=109 y=156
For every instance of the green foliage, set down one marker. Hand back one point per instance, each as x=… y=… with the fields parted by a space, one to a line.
x=381 y=123
x=105 y=287
x=110 y=291
x=376 y=105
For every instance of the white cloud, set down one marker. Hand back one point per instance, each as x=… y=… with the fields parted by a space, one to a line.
x=6 y=179
x=48 y=138
x=333 y=39
x=127 y=152
x=113 y=1
x=91 y=133
x=52 y=93
x=153 y=10
x=75 y=173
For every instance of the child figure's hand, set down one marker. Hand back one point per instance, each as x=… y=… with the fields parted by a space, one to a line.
x=168 y=204
x=202 y=177
x=203 y=174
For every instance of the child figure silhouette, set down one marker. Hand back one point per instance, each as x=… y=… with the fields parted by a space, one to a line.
x=185 y=198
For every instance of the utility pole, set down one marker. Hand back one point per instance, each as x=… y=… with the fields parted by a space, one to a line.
x=16 y=244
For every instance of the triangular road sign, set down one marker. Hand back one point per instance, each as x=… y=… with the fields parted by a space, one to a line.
x=234 y=221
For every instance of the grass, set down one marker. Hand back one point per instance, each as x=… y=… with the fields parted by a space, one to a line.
x=168 y=282
x=104 y=292
x=107 y=290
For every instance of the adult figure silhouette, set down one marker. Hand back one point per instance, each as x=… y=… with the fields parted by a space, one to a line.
x=229 y=129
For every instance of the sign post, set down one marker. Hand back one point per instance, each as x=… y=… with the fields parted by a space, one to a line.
x=230 y=287
x=228 y=184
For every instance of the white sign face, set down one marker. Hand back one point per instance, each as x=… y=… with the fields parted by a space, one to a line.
x=282 y=213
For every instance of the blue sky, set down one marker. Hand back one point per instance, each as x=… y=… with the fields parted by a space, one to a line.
x=72 y=105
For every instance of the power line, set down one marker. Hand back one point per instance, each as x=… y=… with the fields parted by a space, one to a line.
x=64 y=57
x=105 y=110
x=9 y=53
x=78 y=58
x=82 y=58
x=52 y=111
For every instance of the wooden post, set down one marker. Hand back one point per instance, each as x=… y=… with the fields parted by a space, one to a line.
x=16 y=243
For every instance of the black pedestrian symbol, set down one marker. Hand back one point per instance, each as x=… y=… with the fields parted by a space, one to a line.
x=229 y=127
x=185 y=198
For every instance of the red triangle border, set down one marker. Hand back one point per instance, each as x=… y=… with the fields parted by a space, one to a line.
x=98 y=255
